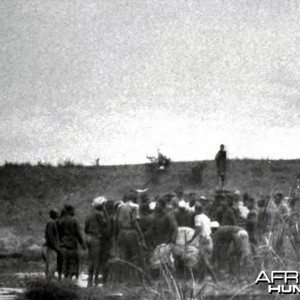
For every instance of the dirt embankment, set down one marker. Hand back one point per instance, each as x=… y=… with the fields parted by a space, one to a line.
x=27 y=192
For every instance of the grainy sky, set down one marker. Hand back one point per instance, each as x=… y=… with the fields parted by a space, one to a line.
x=117 y=79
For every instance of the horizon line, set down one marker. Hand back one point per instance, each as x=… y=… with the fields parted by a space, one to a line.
x=70 y=163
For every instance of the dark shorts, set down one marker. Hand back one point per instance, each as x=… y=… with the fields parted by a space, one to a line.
x=128 y=244
x=94 y=248
x=70 y=262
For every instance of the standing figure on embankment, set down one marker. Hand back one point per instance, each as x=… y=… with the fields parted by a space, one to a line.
x=221 y=165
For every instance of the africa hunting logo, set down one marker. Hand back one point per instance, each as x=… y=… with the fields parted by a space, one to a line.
x=280 y=282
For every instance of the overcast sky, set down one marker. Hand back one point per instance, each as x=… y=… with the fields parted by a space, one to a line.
x=117 y=79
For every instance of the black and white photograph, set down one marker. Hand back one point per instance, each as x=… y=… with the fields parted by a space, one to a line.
x=149 y=149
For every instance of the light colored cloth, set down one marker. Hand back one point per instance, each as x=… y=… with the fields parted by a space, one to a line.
x=204 y=223
x=182 y=204
x=241 y=241
x=189 y=254
x=206 y=245
x=237 y=193
x=243 y=210
x=185 y=234
x=136 y=207
x=152 y=205
x=99 y=201
x=191 y=209
x=284 y=210
x=128 y=213
x=162 y=254
x=95 y=224
x=50 y=259
x=214 y=224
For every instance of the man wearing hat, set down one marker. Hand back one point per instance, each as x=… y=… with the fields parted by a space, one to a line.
x=183 y=216
x=95 y=226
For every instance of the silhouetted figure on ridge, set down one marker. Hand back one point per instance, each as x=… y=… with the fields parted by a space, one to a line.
x=221 y=164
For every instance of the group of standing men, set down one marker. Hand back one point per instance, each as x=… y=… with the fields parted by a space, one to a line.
x=63 y=236
x=133 y=231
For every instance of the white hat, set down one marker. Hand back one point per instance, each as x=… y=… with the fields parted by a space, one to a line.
x=99 y=201
x=142 y=191
x=202 y=198
x=182 y=204
x=237 y=193
x=214 y=224
x=152 y=205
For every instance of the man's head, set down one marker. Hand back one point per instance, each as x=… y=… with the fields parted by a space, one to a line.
x=262 y=202
x=180 y=194
x=53 y=214
x=161 y=205
x=198 y=208
x=99 y=202
x=130 y=197
x=145 y=198
x=192 y=199
x=222 y=147
x=203 y=200
x=69 y=210
x=152 y=205
x=182 y=205
x=278 y=198
x=229 y=200
x=110 y=206
x=220 y=199
x=237 y=196
x=145 y=209
x=63 y=212
x=117 y=204
x=245 y=199
x=251 y=203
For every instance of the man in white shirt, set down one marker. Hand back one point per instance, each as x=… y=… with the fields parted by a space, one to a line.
x=202 y=229
x=242 y=210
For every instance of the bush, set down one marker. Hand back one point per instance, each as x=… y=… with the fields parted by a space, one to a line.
x=197 y=173
x=160 y=162
x=43 y=289
x=157 y=166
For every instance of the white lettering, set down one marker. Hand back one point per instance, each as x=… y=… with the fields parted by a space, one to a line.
x=262 y=277
x=272 y=289
x=277 y=275
x=291 y=275
x=296 y=289
x=286 y=290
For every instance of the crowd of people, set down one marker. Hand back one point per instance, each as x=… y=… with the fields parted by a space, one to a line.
x=176 y=229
